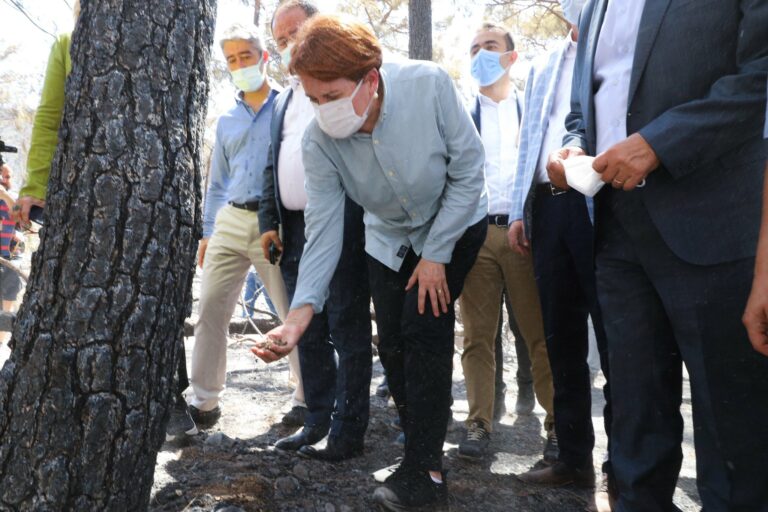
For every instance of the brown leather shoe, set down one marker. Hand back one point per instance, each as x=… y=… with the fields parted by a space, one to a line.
x=560 y=473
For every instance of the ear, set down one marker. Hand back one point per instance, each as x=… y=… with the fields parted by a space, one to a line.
x=373 y=77
x=508 y=59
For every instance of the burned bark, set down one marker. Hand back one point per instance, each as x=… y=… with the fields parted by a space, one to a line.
x=420 y=29
x=85 y=396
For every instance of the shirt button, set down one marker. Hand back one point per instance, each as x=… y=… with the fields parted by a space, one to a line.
x=375 y=141
x=391 y=173
x=616 y=123
x=403 y=200
x=615 y=83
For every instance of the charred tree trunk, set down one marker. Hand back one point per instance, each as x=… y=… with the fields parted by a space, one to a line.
x=85 y=396
x=420 y=29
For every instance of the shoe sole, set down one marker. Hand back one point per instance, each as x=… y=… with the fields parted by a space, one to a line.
x=471 y=458
x=387 y=505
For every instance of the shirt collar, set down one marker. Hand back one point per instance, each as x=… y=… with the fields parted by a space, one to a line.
x=274 y=90
x=485 y=101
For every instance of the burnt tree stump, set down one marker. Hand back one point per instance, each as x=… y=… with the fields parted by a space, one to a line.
x=84 y=398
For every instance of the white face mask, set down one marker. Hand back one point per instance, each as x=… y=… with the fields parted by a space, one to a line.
x=285 y=55
x=248 y=79
x=338 y=118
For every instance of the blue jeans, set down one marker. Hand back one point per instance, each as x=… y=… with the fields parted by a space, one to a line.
x=253 y=288
x=336 y=391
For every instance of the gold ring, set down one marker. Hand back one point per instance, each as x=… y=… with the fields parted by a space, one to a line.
x=439 y=291
x=618 y=182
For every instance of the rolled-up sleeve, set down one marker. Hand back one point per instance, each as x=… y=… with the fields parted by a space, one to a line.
x=324 y=221
x=218 y=175
x=465 y=180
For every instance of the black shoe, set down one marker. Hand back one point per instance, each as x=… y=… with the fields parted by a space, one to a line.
x=335 y=450
x=382 y=390
x=180 y=423
x=551 y=448
x=475 y=442
x=559 y=474
x=407 y=489
x=205 y=419
x=305 y=436
x=525 y=399
x=294 y=417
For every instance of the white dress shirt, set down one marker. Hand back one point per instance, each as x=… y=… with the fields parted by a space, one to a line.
x=290 y=175
x=613 y=69
x=499 y=126
x=561 y=107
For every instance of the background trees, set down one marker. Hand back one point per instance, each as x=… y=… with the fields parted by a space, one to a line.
x=84 y=397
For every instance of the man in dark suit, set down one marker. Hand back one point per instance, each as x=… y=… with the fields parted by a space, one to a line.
x=668 y=95
x=337 y=395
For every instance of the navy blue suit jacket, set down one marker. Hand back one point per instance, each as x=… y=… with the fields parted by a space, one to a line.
x=697 y=96
x=270 y=207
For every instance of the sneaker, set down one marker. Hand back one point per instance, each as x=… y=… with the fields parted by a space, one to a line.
x=408 y=488
x=551 y=448
x=475 y=442
x=205 y=419
x=180 y=423
x=294 y=417
x=384 y=473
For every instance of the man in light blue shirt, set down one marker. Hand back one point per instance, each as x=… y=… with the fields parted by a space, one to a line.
x=230 y=243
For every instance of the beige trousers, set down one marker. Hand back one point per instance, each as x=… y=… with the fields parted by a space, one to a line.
x=498 y=266
x=232 y=249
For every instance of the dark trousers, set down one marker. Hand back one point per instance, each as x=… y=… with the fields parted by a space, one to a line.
x=660 y=312
x=562 y=242
x=417 y=350
x=336 y=392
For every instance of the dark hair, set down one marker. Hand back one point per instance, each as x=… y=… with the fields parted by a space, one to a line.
x=309 y=8
x=498 y=28
x=331 y=47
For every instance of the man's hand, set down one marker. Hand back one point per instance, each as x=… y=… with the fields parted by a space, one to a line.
x=20 y=213
x=626 y=164
x=267 y=238
x=201 y=251
x=517 y=239
x=755 y=316
x=431 y=279
x=555 y=167
x=282 y=339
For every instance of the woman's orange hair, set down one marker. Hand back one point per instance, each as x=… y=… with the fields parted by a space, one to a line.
x=332 y=47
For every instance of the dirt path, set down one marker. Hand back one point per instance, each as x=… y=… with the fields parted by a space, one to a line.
x=234 y=466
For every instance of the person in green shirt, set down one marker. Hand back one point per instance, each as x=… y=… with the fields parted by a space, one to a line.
x=45 y=130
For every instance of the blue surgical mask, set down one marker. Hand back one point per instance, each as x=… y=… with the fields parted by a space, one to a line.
x=285 y=55
x=248 y=79
x=486 y=67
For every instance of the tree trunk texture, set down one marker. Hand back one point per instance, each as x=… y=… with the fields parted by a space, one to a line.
x=84 y=398
x=420 y=29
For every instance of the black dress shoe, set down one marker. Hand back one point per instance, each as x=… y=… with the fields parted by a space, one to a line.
x=307 y=435
x=205 y=419
x=336 y=450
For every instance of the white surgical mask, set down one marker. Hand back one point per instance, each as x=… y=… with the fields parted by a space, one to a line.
x=285 y=55
x=248 y=79
x=338 y=118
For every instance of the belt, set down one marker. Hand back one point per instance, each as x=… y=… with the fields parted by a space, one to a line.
x=251 y=206
x=550 y=189
x=501 y=221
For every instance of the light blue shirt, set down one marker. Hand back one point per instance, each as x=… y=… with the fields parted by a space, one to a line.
x=540 y=92
x=239 y=157
x=418 y=176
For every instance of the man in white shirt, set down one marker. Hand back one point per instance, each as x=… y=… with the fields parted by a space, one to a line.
x=336 y=393
x=558 y=223
x=497 y=113
x=669 y=97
